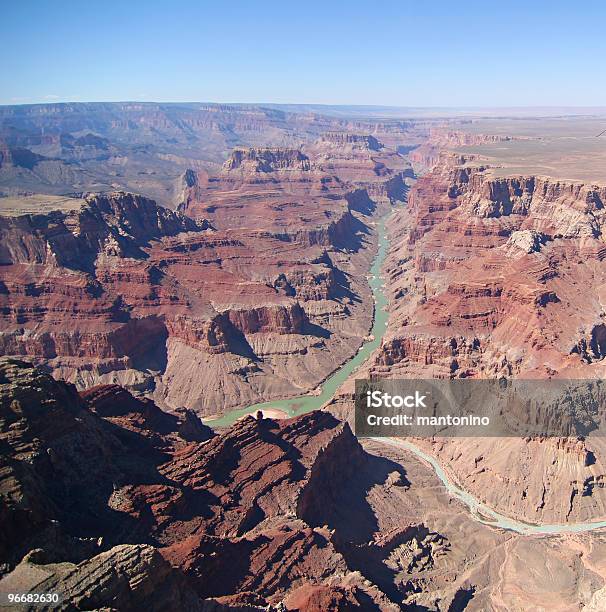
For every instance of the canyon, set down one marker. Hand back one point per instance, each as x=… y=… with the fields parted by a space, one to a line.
x=214 y=521
x=292 y=514
x=238 y=274
x=254 y=288
x=144 y=147
x=494 y=276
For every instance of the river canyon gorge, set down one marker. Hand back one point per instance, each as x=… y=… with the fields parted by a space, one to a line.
x=188 y=293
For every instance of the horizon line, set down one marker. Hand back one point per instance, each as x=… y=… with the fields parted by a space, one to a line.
x=314 y=104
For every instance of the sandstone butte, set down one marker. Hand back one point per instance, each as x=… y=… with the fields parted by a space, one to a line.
x=493 y=276
x=253 y=289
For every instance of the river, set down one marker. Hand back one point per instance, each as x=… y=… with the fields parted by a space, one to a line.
x=306 y=403
x=482 y=513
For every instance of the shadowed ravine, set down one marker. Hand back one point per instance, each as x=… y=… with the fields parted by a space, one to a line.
x=306 y=403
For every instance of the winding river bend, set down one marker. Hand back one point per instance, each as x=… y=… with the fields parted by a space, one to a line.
x=484 y=514
x=306 y=403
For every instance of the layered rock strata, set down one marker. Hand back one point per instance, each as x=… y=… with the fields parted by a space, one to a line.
x=491 y=277
x=113 y=503
x=254 y=290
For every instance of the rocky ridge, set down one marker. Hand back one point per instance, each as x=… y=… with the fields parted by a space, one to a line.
x=142 y=147
x=116 y=504
x=109 y=501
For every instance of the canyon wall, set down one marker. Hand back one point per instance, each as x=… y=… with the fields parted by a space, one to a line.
x=144 y=147
x=181 y=516
x=114 y=503
x=254 y=290
x=491 y=277
x=446 y=138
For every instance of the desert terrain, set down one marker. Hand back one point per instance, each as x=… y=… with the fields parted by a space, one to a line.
x=496 y=271
x=163 y=264
x=290 y=514
x=250 y=286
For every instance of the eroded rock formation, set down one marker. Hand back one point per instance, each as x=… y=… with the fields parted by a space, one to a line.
x=491 y=277
x=109 y=501
x=254 y=290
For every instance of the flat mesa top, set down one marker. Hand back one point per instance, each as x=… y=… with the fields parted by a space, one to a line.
x=560 y=148
x=37 y=203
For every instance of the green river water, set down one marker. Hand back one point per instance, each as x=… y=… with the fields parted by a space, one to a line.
x=306 y=403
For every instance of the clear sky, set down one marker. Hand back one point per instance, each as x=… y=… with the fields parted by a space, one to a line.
x=420 y=53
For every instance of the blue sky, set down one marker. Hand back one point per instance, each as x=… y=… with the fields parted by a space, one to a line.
x=402 y=53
